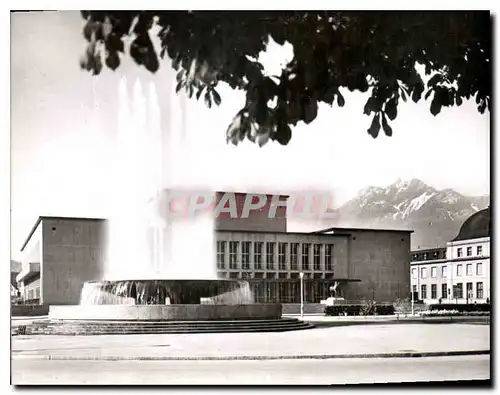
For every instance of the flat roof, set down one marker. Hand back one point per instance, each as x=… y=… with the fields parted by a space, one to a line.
x=338 y=228
x=42 y=217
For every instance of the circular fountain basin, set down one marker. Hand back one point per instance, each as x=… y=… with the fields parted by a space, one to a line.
x=165 y=292
x=189 y=312
x=166 y=300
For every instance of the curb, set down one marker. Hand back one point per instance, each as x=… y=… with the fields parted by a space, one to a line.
x=415 y=354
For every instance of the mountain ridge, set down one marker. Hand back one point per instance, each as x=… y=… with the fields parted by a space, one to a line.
x=435 y=215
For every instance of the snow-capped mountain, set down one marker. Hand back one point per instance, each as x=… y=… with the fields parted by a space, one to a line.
x=434 y=215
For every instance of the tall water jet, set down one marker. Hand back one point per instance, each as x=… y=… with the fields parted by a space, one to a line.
x=144 y=240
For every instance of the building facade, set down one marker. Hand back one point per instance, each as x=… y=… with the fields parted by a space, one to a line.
x=62 y=253
x=459 y=272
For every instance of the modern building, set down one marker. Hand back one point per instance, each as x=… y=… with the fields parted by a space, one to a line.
x=459 y=272
x=62 y=253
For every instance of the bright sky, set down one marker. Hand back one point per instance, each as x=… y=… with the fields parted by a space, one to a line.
x=64 y=127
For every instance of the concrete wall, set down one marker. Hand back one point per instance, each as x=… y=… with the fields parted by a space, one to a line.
x=257 y=219
x=73 y=253
x=170 y=312
x=381 y=260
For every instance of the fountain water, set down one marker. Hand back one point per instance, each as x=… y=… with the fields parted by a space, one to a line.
x=158 y=268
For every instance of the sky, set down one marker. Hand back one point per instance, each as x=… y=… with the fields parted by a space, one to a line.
x=64 y=129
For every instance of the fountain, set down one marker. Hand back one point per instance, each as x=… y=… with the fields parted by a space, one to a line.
x=160 y=273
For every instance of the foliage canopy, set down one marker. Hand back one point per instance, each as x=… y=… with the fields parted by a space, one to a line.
x=372 y=52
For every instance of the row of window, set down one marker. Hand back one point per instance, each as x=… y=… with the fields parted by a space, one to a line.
x=457 y=291
x=435 y=255
x=273 y=275
x=287 y=255
x=444 y=271
x=479 y=251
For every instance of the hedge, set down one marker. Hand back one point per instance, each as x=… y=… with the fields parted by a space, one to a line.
x=357 y=309
x=461 y=307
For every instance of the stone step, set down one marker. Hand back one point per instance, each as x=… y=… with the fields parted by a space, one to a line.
x=82 y=328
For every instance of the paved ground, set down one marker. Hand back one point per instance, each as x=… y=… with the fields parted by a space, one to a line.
x=332 y=371
x=359 y=339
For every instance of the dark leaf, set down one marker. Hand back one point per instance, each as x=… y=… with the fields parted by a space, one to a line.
x=369 y=106
x=263 y=137
x=112 y=60
x=435 y=105
x=387 y=128
x=97 y=64
x=403 y=95
x=458 y=100
x=190 y=91
x=391 y=108
x=375 y=126
x=428 y=94
x=340 y=99
x=283 y=134
x=216 y=97
x=208 y=100
x=180 y=75
x=434 y=80
x=417 y=92
x=179 y=86
x=200 y=91
x=310 y=107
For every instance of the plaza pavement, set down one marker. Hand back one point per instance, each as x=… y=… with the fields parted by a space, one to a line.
x=383 y=340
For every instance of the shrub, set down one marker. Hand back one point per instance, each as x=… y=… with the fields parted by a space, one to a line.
x=447 y=313
x=367 y=308
x=461 y=307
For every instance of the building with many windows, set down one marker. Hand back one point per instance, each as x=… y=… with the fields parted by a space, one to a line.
x=62 y=253
x=459 y=272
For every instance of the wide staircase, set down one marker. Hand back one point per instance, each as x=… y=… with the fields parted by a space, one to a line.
x=102 y=327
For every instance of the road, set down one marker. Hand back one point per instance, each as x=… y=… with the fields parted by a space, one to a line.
x=312 y=371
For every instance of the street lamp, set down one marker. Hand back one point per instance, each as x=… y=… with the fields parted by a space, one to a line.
x=301 y=294
x=412 y=302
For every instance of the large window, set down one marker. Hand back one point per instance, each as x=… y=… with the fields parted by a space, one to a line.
x=257 y=254
x=329 y=257
x=444 y=291
x=270 y=256
x=233 y=254
x=479 y=269
x=282 y=253
x=317 y=256
x=468 y=269
x=459 y=270
x=433 y=271
x=458 y=291
x=479 y=290
x=423 y=272
x=459 y=252
x=221 y=255
x=479 y=250
x=433 y=291
x=469 y=251
x=306 y=248
x=423 y=292
x=294 y=253
x=444 y=271
x=245 y=255
x=414 y=273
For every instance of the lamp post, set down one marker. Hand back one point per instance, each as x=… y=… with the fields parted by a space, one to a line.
x=412 y=301
x=301 y=294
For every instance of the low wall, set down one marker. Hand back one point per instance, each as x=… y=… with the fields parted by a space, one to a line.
x=29 y=310
x=177 y=312
x=309 y=308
